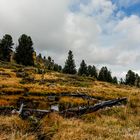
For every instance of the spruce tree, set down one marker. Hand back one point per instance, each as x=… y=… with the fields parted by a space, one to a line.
x=130 y=78
x=137 y=81
x=105 y=75
x=89 y=71
x=83 y=69
x=92 y=71
x=102 y=74
x=70 y=67
x=49 y=65
x=24 y=51
x=6 y=48
x=114 y=80
x=122 y=81
x=109 y=77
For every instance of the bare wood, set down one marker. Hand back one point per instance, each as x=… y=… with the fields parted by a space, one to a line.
x=96 y=107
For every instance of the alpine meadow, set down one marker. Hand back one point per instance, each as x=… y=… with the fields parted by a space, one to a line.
x=70 y=70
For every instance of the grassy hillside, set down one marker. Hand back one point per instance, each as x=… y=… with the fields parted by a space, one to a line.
x=18 y=82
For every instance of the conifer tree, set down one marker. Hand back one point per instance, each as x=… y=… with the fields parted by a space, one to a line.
x=92 y=71
x=6 y=48
x=49 y=64
x=70 y=67
x=137 y=81
x=105 y=75
x=83 y=69
x=130 y=78
x=114 y=80
x=122 y=81
x=102 y=74
x=89 y=71
x=24 y=51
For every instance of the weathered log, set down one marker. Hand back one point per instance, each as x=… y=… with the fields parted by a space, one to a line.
x=71 y=112
x=93 y=108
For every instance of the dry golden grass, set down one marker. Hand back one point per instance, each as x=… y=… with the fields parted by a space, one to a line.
x=109 y=124
x=79 y=101
x=14 y=128
x=12 y=90
x=17 y=136
x=4 y=102
x=97 y=127
x=14 y=123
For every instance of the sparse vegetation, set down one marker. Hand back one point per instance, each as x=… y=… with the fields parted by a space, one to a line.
x=113 y=123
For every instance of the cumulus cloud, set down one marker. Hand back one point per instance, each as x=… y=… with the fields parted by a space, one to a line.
x=43 y=20
x=96 y=30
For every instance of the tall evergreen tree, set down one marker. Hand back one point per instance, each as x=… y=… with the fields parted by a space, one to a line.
x=49 y=64
x=102 y=74
x=105 y=75
x=115 y=80
x=60 y=68
x=109 y=77
x=89 y=70
x=83 y=69
x=122 y=81
x=24 y=51
x=130 y=78
x=92 y=71
x=6 y=47
x=137 y=81
x=70 y=67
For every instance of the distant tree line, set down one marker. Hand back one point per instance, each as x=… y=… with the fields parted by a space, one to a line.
x=24 y=54
x=87 y=70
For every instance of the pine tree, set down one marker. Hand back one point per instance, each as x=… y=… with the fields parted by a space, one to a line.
x=49 y=65
x=89 y=71
x=114 y=80
x=102 y=74
x=24 y=51
x=122 y=81
x=130 y=78
x=6 y=48
x=137 y=81
x=60 y=68
x=92 y=71
x=109 y=77
x=70 y=67
x=105 y=75
x=83 y=69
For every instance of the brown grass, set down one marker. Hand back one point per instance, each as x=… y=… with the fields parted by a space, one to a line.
x=112 y=123
x=14 y=128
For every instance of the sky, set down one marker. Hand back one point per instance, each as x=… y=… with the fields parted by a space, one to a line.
x=102 y=32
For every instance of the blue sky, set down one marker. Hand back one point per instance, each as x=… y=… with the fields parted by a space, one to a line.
x=132 y=7
x=103 y=32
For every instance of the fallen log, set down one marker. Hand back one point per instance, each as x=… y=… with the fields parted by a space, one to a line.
x=89 y=109
x=71 y=112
